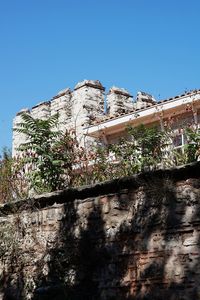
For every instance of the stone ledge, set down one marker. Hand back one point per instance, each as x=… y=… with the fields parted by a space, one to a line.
x=104 y=188
x=40 y=104
x=91 y=83
x=119 y=91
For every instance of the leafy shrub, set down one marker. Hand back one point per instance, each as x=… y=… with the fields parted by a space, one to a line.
x=50 y=160
x=48 y=153
x=13 y=183
x=192 y=148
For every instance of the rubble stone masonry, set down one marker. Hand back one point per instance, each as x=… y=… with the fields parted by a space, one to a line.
x=131 y=238
x=78 y=109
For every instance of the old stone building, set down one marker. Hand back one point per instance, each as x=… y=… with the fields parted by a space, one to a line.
x=93 y=113
x=136 y=237
x=76 y=108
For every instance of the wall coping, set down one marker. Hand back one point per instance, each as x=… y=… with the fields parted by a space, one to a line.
x=118 y=185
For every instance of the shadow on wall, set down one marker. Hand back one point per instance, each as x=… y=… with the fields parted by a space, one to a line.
x=135 y=244
x=76 y=260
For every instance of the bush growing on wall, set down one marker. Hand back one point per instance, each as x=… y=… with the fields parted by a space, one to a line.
x=13 y=183
x=5 y=174
x=192 y=148
x=49 y=154
x=51 y=160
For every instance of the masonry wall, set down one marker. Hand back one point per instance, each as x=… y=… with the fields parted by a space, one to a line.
x=132 y=238
x=77 y=109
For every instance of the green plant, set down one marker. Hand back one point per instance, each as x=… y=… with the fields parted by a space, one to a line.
x=43 y=158
x=13 y=183
x=192 y=148
x=52 y=160
x=101 y=168
x=5 y=175
x=148 y=143
x=8 y=237
x=125 y=157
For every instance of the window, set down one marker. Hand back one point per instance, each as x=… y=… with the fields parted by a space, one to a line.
x=179 y=141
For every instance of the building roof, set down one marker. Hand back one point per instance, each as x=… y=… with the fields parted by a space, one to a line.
x=109 y=124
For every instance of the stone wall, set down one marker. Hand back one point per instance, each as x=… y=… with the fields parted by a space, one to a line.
x=131 y=238
x=119 y=101
x=82 y=106
x=76 y=109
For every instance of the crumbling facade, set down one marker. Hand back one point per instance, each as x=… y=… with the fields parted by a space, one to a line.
x=79 y=108
x=93 y=113
x=76 y=108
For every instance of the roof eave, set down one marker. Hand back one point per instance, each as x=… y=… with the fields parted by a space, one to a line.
x=134 y=117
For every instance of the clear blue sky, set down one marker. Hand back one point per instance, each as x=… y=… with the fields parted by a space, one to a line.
x=47 y=45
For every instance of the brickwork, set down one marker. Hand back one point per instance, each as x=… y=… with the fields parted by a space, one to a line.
x=132 y=238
